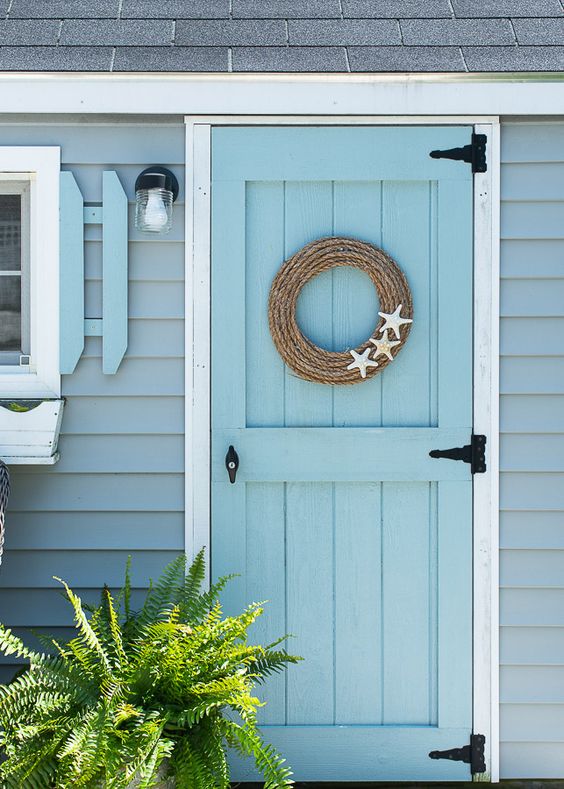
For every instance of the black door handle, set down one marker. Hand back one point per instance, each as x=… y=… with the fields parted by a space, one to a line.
x=232 y=464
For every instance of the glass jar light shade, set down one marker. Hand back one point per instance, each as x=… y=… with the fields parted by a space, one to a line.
x=153 y=210
x=156 y=189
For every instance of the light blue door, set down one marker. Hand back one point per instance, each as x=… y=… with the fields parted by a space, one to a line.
x=361 y=542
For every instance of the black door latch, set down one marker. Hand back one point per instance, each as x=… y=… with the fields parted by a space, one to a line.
x=474 y=154
x=473 y=453
x=232 y=464
x=472 y=754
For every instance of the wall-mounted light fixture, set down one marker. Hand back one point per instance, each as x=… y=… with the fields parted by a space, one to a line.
x=156 y=189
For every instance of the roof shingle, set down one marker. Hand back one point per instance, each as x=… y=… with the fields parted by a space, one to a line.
x=282 y=35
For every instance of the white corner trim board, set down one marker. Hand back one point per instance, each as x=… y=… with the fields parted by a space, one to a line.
x=330 y=94
x=486 y=383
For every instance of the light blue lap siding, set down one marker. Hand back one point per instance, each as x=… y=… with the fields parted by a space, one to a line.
x=118 y=488
x=532 y=451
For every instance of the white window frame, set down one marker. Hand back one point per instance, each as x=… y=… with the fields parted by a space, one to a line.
x=40 y=166
x=486 y=377
x=19 y=184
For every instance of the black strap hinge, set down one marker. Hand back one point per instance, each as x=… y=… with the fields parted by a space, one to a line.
x=472 y=754
x=474 y=154
x=473 y=453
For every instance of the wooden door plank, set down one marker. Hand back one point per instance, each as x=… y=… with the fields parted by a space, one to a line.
x=229 y=541
x=405 y=236
x=406 y=595
x=455 y=304
x=265 y=372
x=455 y=607
x=228 y=294
x=309 y=591
x=358 y=589
x=266 y=581
x=309 y=215
x=357 y=214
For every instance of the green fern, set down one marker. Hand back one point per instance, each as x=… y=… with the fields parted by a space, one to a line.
x=169 y=687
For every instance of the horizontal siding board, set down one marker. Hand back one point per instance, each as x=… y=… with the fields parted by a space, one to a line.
x=532 y=646
x=532 y=259
x=94 y=493
x=535 y=760
x=533 y=723
x=137 y=377
x=149 y=261
x=532 y=142
x=532 y=607
x=33 y=608
x=124 y=415
x=532 y=491
x=97 y=143
x=532 y=452
x=532 y=299
x=521 y=413
x=150 y=300
x=543 y=530
x=81 y=569
x=175 y=235
x=521 y=336
x=527 y=684
x=148 y=338
x=121 y=531
x=532 y=181
x=532 y=220
x=121 y=454
x=88 y=178
x=543 y=375
x=519 y=567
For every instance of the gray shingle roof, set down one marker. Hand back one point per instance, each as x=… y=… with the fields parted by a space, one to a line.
x=282 y=35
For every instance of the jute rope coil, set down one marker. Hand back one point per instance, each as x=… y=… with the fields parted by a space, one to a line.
x=308 y=360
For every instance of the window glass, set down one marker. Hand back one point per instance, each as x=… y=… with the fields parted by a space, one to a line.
x=11 y=292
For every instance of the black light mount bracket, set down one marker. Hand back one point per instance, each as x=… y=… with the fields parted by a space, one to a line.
x=474 y=154
x=473 y=453
x=472 y=754
x=157 y=177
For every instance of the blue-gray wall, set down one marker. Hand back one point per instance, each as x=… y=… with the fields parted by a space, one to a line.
x=532 y=451
x=118 y=488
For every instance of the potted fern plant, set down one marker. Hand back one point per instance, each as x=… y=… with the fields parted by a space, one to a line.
x=141 y=699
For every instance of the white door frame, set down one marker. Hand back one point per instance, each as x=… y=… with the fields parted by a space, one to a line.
x=486 y=377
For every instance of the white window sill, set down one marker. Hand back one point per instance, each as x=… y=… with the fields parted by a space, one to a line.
x=20 y=384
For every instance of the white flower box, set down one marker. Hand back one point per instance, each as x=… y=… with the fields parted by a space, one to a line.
x=29 y=431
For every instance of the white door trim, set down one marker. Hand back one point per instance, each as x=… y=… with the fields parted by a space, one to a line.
x=486 y=378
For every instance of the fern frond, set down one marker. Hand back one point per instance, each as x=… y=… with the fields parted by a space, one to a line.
x=10 y=644
x=87 y=634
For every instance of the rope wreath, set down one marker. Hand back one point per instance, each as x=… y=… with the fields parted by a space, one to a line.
x=316 y=364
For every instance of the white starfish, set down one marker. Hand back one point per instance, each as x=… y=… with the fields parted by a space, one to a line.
x=361 y=361
x=384 y=346
x=394 y=321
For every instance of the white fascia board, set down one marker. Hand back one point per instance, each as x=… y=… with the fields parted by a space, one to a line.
x=308 y=94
